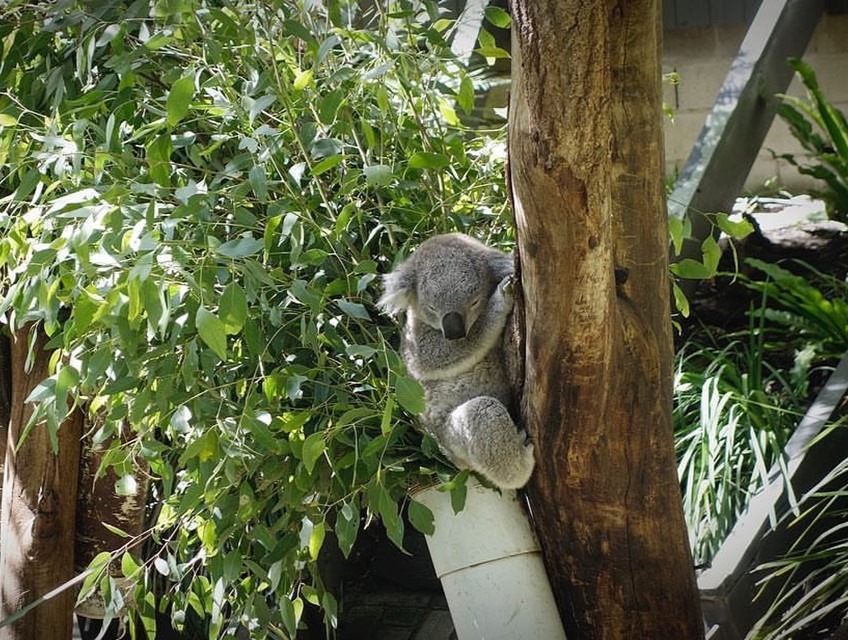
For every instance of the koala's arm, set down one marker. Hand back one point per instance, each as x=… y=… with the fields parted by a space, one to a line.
x=433 y=357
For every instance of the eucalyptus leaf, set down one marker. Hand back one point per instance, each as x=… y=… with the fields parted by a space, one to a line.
x=259 y=182
x=327 y=163
x=212 y=331
x=129 y=565
x=354 y=309
x=240 y=248
x=313 y=448
x=347 y=527
x=316 y=539
x=498 y=17
x=126 y=485
x=421 y=517
x=410 y=394
x=232 y=308
x=179 y=99
x=377 y=175
x=427 y=160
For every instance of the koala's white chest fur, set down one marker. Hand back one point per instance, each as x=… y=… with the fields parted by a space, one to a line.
x=465 y=380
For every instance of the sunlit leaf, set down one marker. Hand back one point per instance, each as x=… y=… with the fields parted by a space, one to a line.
x=211 y=330
x=735 y=229
x=162 y=566
x=316 y=539
x=354 y=309
x=427 y=160
x=712 y=253
x=377 y=175
x=447 y=112
x=326 y=164
x=126 y=485
x=179 y=99
x=129 y=566
x=313 y=448
x=465 y=97
x=691 y=269
x=494 y=53
x=232 y=308
x=498 y=17
x=95 y=570
x=67 y=379
x=303 y=79
x=409 y=394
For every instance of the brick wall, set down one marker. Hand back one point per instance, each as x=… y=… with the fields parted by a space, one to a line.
x=702 y=56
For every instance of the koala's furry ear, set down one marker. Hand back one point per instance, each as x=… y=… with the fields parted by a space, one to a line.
x=398 y=288
x=501 y=264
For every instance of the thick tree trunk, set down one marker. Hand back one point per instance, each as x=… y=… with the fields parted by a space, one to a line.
x=99 y=505
x=586 y=174
x=5 y=404
x=39 y=498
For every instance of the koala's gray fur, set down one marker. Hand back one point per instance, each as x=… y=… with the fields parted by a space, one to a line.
x=456 y=294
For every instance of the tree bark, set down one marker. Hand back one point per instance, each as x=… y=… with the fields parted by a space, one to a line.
x=39 y=498
x=5 y=406
x=98 y=505
x=585 y=158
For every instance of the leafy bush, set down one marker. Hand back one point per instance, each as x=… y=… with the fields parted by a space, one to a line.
x=705 y=266
x=813 y=576
x=197 y=201
x=815 y=309
x=822 y=130
x=738 y=399
x=733 y=413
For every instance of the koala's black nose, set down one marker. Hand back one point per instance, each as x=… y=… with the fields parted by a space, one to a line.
x=453 y=326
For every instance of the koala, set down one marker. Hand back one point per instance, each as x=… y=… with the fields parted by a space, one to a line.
x=456 y=293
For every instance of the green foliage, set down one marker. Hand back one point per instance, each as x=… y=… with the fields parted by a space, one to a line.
x=734 y=411
x=816 y=314
x=680 y=230
x=822 y=130
x=196 y=201
x=737 y=401
x=812 y=579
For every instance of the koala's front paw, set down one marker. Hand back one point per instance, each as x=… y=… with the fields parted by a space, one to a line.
x=506 y=288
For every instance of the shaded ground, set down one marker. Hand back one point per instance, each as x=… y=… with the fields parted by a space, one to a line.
x=787 y=231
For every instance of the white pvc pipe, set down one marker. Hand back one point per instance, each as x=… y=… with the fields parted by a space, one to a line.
x=490 y=565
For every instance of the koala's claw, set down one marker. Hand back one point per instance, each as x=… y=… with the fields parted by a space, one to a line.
x=506 y=289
